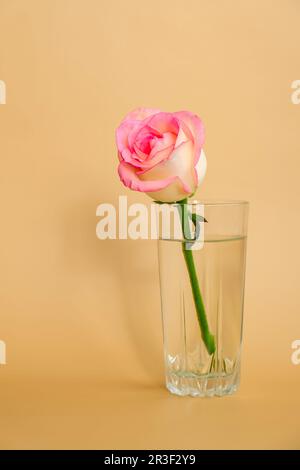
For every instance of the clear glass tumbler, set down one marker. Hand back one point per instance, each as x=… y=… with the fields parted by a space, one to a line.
x=219 y=262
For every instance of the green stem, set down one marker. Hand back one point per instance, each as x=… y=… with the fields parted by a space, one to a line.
x=206 y=335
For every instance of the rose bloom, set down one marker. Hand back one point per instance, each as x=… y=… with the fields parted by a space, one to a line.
x=161 y=153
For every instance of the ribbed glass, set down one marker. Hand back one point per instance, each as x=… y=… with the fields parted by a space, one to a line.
x=220 y=267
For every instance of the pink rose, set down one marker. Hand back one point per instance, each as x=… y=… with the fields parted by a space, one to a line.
x=161 y=153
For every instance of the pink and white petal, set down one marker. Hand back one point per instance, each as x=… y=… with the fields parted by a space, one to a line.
x=136 y=127
x=172 y=193
x=184 y=133
x=144 y=138
x=122 y=133
x=196 y=127
x=140 y=127
x=168 y=139
x=130 y=158
x=131 y=180
x=141 y=155
x=164 y=122
x=183 y=136
x=201 y=167
x=159 y=157
x=180 y=164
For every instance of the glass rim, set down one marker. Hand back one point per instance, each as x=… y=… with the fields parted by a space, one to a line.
x=212 y=202
x=219 y=202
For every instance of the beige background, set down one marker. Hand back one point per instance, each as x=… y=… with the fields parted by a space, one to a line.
x=81 y=317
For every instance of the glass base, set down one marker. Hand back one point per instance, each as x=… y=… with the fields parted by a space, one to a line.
x=209 y=385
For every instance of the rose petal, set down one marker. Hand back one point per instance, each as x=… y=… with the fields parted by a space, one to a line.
x=159 y=157
x=122 y=136
x=184 y=134
x=144 y=137
x=180 y=164
x=182 y=137
x=164 y=122
x=167 y=140
x=141 y=155
x=196 y=127
x=130 y=179
x=200 y=168
x=140 y=128
x=172 y=193
x=130 y=158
